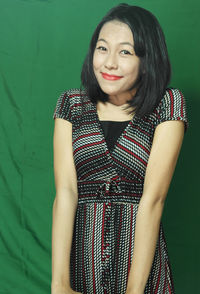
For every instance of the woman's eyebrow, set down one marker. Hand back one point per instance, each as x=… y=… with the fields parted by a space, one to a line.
x=102 y=40
x=127 y=43
x=122 y=43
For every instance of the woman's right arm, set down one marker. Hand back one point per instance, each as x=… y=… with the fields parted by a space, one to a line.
x=64 y=207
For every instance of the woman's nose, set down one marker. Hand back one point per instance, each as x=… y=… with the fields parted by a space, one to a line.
x=111 y=61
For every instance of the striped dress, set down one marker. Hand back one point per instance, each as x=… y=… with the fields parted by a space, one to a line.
x=110 y=185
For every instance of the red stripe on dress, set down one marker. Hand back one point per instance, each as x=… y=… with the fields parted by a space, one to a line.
x=138 y=195
x=170 y=292
x=137 y=143
x=132 y=153
x=79 y=103
x=128 y=168
x=117 y=249
x=77 y=94
x=139 y=129
x=84 y=225
x=88 y=145
x=159 y=275
x=95 y=171
x=74 y=95
x=172 y=102
x=95 y=205
x=102 y=233
x=91 y=159
x=129 y=254
x=181 y=103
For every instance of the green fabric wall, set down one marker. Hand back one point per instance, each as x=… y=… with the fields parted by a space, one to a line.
x=43 y=44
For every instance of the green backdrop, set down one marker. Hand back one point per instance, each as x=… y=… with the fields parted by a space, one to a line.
x=42 y=47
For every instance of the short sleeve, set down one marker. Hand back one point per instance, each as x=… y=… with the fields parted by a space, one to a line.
x=63 y=109
x=173 y=107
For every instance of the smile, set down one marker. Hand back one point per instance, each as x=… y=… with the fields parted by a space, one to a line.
x=110 y=77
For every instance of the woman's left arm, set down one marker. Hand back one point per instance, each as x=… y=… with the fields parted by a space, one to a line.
x=164 y=153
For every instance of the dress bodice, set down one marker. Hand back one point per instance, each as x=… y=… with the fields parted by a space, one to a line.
x=112 y=130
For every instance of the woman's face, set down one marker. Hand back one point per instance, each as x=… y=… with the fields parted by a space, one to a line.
x=115 y=63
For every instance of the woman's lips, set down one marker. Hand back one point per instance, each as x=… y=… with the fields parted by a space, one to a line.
x=110 y=77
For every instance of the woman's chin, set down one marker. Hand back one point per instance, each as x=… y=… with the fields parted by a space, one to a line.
x=111 y=91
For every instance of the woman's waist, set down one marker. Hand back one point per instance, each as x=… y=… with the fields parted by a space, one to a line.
x=113 y=189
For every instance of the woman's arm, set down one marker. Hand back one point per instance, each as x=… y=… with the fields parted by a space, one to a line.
x=165 y=150
x=64 y=207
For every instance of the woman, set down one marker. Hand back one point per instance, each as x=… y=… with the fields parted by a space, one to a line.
x=116 y=144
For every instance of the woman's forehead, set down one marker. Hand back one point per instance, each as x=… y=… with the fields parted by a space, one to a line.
x=116 y=30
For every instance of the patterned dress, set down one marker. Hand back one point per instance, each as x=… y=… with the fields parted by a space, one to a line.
x=110 y=185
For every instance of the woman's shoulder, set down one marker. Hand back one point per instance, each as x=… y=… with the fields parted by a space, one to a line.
x=75 y=93
x=172 y=97
x=70 y=102
x=172 y=106
x=76 y=97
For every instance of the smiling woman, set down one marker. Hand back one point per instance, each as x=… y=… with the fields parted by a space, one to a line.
x=115 y=63
x=140 y=32
x=116 y=144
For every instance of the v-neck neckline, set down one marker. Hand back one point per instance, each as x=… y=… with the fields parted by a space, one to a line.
x=110 y=152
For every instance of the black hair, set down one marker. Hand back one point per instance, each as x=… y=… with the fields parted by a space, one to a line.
x=149 y=45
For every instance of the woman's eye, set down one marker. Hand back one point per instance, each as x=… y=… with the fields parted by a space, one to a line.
x=126 y=52
x=101 y=48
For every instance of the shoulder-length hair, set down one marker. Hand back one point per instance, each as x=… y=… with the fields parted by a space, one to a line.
x=149 y=45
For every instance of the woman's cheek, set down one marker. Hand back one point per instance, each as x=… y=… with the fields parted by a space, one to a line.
x=131 y=67
x=98 y=60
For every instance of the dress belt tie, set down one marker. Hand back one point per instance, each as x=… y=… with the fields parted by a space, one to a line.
x=105 y=187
